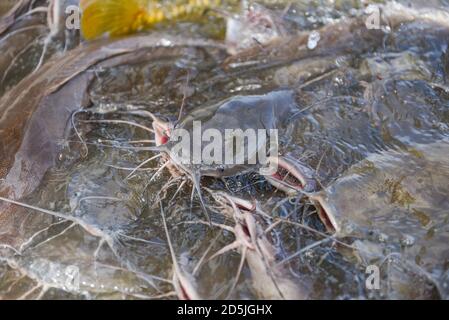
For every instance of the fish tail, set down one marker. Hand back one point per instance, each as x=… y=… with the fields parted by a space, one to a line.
x=121 y=17
x=113 y=17
x=190 y=8
x=178 y=10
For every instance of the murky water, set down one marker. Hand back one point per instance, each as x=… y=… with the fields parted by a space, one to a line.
x=367 y=104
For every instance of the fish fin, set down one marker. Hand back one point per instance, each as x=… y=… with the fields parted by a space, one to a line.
x=196 y=180
x=113 y=17
x=122 y=17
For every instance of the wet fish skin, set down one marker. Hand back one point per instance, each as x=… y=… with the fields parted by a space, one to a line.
x=445 y=62
x=10 y=17
x=399 y=196
x=270 y=280
x=122 y=17
x=264 y=112
x=382 y=184
x=24 y=109
x=18 y=104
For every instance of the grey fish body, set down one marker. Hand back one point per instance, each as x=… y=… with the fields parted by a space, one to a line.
x=271 y=280
x=391 y=182
x=399 y=197
x=271 y=111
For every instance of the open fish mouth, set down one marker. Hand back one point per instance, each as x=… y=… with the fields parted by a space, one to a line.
x=326 y=213
x=93 y=133
x=291 y=177
x=292 y=181
x=161 y=134
x=161 y=130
